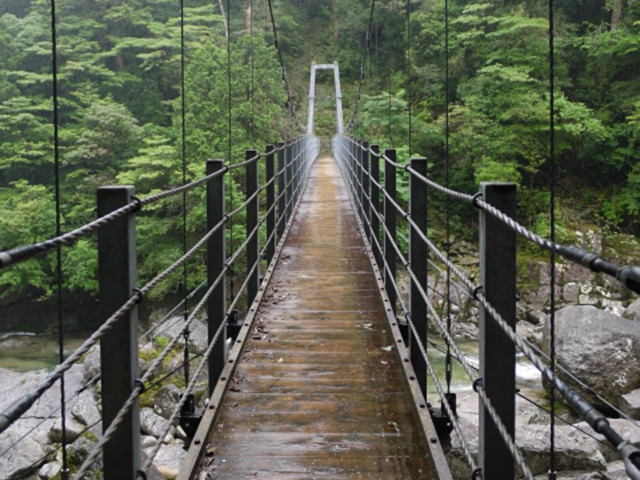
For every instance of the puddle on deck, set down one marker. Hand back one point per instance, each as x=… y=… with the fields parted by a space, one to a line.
x=319 y=393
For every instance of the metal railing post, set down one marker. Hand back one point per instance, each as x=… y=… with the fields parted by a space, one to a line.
x=271 y=198
x=282 y=182
x=119 y=346
x=253 y=247
x=390 y=227
x=366 y=206
x=375 y=205
x=289 y=176
x=418 y=254
x=216 y=259
x=497 y=352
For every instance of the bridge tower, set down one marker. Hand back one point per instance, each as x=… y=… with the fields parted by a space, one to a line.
x=312 y=94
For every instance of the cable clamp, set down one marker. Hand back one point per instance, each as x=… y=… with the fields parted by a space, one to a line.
x=476 y=474
x=477 y=383
x=139 y=294
x=475 y=198
x=137 y=202
x=476 y=291
x=141 y=474
x=226 y=218
x=140 y=384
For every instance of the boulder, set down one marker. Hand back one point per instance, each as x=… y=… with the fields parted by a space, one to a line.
x=151 y=423
x=198 y=336
x=166 y=399
x=27 y=457
x=169 y=460
x=600 y=348
x=632 y=312
x=631 y=404
x=49 y=470
x=574 y=450
x=86 y=410
x=73 y=430
x=92 y=363
x=624 y=428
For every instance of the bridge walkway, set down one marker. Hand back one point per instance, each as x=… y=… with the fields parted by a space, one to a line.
x=320 y=391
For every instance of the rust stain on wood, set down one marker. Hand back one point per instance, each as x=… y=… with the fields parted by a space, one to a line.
x=319 y=392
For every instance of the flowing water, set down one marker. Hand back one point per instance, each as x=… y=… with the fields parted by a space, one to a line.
x=23 y=351
x=527 y=376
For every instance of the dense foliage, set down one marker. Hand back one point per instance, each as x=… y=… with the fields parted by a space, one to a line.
x=121 y=97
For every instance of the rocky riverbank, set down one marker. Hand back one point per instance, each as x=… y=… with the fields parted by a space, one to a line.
x=37 y=435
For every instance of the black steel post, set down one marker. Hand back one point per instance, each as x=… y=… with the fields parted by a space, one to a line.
x=253 y=247
x=375 y=204
x=282 y=182
x=366 y=206
x=119 y=346
x=390 y=226
x=418 y=254
x=288 y=159
x=497 y=352
x=216 y=259
x=271 y=198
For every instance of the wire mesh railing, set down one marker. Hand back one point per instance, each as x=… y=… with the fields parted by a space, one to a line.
x=379 y=209
x=119 y=294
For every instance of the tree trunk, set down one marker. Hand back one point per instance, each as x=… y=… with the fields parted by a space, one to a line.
x=224 y=19
x=248 y=16
x=336 y=22
x=617 y=13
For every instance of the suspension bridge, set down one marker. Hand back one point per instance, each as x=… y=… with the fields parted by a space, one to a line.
x=326 y=376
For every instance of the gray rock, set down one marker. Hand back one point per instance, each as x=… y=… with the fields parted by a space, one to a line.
x=631 y=404
x=624 y=428
x=151 y=423
x=570 y=292
x=197 y=333
x=73 y=430
x=22 y=460
x=574 y=450
x=148 y=441
x=86 y=410
x=600 y=348
x=166 y=399
x=169 y=460
x=49 y=470
x=92 y=363
x=632 y=312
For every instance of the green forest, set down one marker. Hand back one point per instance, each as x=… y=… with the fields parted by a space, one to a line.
x=120 y=65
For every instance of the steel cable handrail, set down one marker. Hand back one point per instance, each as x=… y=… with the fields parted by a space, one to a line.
x=14 y=411
x=20 y=254
x=188 y=389
x=508 y=439
x=138 y=388
x=445 y=403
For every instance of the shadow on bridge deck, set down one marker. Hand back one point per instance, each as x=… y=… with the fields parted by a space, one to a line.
x=319 y=392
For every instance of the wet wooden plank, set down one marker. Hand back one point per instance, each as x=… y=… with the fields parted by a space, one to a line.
x=319 y=391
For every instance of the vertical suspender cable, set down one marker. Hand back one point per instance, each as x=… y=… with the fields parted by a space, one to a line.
x=552 y=221
x=56 y=149
x=448 y=365
x=229 y=133
x=409 y=72
x=390 y=117
x=378 y=89
x=184 y=197
x=252 y=71
x=267 y=90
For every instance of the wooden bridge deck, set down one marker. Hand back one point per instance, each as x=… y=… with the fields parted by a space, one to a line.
x=319 y=392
